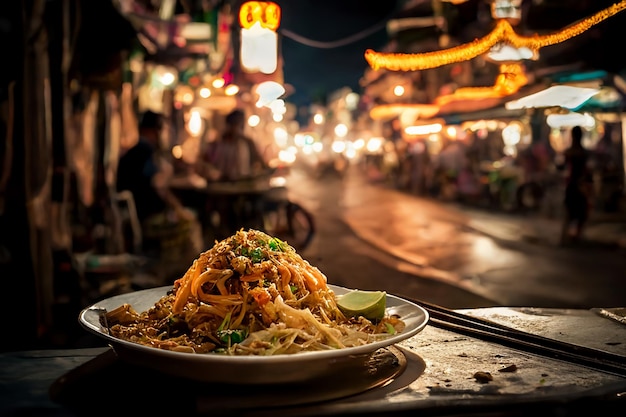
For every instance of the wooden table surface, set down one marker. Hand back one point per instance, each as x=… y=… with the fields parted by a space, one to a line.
x=445 y=374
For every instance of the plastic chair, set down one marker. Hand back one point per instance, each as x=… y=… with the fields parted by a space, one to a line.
x=128 y=213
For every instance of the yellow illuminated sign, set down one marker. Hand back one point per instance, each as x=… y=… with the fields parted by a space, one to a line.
x=266 y=13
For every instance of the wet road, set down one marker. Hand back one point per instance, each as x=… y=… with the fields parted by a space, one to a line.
x=371 y=237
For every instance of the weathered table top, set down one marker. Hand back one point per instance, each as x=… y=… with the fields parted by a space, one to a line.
x=446 y=373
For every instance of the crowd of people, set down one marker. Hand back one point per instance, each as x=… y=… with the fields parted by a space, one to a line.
x=468 y=170
x=569 y=183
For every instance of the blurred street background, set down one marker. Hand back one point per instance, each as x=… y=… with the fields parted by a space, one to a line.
x=395 y=166
x=373 y=236
x=369 y=235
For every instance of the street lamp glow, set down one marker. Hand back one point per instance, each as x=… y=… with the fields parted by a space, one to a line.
x=338 y=146
x=205 y=92
x=195 y=123
x=167 y=79
x=341 y=130
x=287 y=155
x=374 y=145
x=318 y=147
x=318 y=118
x=281 y=136
x=164 y=76
x=177 y=151
x=359 y=143
x=231 y=90
x=350 y=153
x=511 y=135
x=424 y=129
x=352 y=100
x=254 y=120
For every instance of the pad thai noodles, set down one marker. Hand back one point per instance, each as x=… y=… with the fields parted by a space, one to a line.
x=250 y=294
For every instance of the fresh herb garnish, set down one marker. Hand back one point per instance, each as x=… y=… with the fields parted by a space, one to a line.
x=257 y=255
x=232 y=336
x=277 y=244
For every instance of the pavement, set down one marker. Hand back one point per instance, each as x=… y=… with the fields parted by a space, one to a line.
x=606 y=229
x=373 y=221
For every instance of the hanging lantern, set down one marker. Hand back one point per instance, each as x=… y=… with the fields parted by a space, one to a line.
x=259 y=40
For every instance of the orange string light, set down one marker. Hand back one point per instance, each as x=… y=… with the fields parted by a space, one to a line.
x=502 y=33
x=511 y=78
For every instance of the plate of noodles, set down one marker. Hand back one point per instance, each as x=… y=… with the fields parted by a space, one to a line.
x=250 y=310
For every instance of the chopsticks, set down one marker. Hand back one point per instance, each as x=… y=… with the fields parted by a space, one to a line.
x=444 y=318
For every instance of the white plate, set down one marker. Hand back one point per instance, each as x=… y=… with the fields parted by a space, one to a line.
x=220 y=368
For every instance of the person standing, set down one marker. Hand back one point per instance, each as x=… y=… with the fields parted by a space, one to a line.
x=577 y=188
x=234 y=155
x=235 y=158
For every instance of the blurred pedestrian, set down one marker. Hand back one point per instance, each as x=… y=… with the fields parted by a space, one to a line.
x=607 y=170
x=577 y=188
x=419 y=167
x=447 y=166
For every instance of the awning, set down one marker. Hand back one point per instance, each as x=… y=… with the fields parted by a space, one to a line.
x=177 y=40
x=566 y=96
x=478 y=109
x=499 y=112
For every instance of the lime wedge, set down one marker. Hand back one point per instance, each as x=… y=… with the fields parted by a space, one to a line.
x=369 y=304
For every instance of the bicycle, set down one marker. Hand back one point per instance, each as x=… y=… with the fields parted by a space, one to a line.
x=260 y=203
x=284 y=218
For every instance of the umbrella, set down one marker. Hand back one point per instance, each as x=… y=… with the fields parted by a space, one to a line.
x=565 y=96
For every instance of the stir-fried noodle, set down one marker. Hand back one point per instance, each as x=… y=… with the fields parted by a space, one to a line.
x=250 y=294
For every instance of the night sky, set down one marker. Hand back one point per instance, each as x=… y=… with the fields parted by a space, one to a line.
x=315 y=72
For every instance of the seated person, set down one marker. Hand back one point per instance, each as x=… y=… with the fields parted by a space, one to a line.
x=143 y=172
